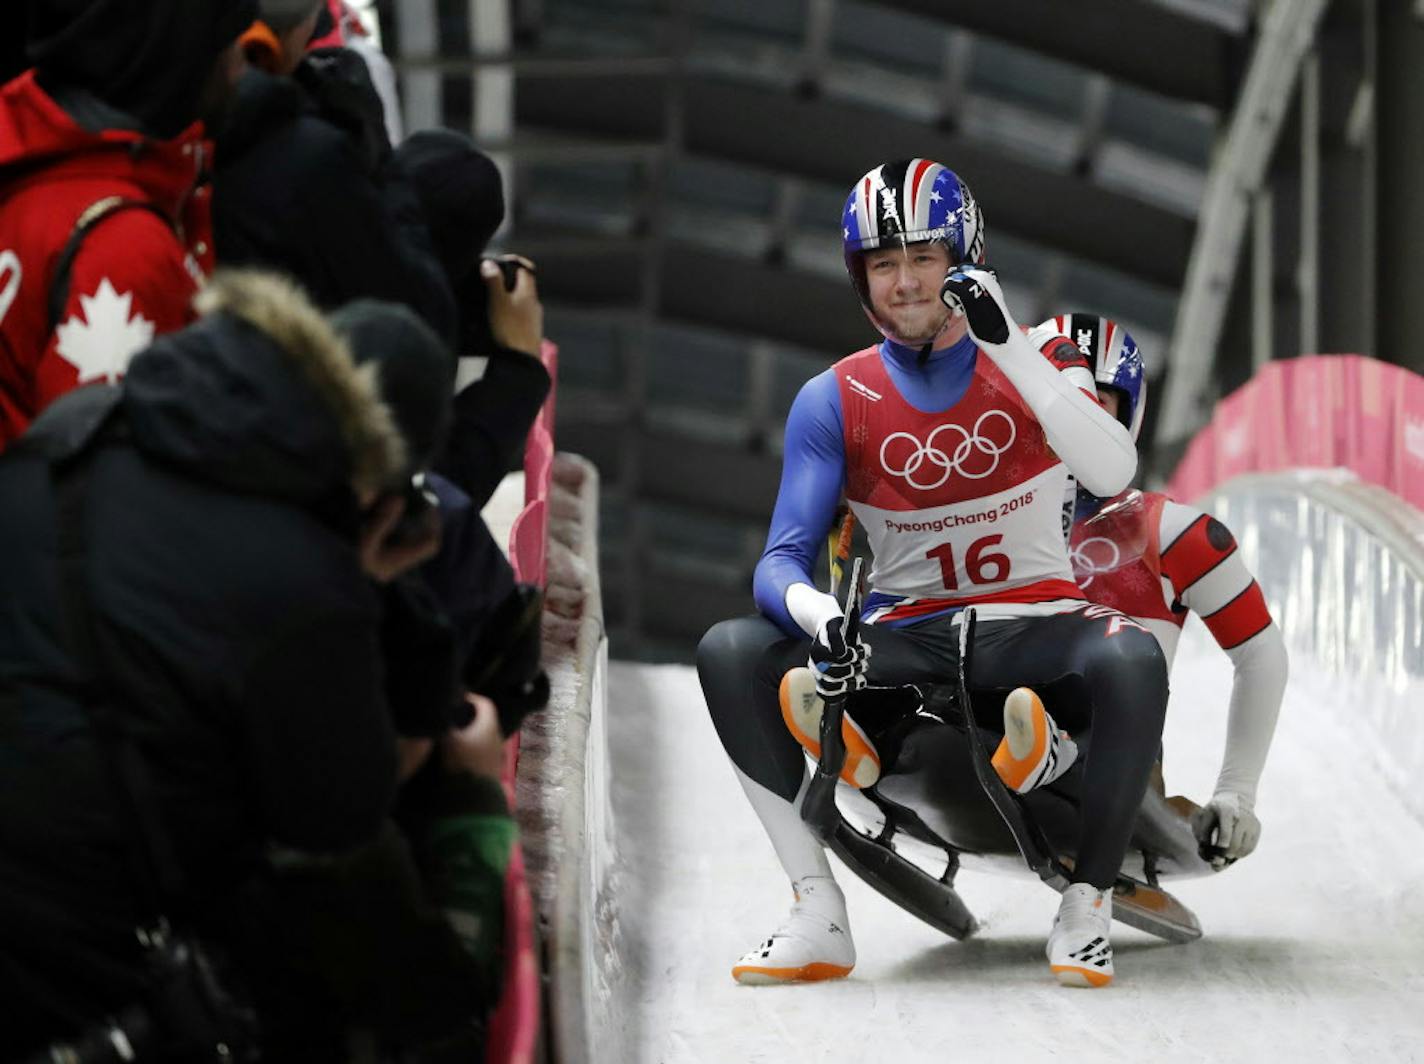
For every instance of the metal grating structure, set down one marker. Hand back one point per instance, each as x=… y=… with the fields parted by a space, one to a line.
x=676 y=168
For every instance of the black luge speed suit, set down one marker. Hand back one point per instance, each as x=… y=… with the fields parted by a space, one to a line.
x=1114 y=684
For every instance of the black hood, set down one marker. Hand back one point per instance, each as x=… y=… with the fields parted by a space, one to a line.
x=13 y=61
x=222 y=401
x=331 y=85
x=461 y=193
x=260 y=103
x=150 y=59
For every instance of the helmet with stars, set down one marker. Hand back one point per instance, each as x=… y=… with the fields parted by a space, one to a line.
x=910 y=201
x=1112 y=355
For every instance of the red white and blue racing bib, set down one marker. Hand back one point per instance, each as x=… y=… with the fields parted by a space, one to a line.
x=960 y=506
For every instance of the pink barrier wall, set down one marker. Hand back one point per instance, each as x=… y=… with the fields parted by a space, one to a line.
x=549 y=355
x=514 y=1029
x=538 y=463
x=528 y=543
x=1311 y=412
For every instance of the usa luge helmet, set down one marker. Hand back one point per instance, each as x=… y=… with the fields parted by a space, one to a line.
x=1112 y=355
x=910 y=201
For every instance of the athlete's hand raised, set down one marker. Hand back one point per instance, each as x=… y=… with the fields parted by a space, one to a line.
x=973 y=292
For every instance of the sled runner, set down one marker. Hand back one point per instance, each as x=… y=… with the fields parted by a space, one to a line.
x=939 y=794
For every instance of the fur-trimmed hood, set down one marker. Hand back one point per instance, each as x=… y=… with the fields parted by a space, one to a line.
x=261 y=395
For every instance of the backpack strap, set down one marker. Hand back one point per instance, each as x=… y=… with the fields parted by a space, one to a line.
x=92 y=215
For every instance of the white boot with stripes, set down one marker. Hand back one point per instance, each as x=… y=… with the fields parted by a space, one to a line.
x=812 y=944
x=1079 y=952
x=1033 y=751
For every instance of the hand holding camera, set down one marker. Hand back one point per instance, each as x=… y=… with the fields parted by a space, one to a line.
x=401 y=531
x=477 y=747
x=516 y=317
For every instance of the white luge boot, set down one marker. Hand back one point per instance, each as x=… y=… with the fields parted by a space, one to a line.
x=801 y=709
x=1079 y=952
x=1034 y=751
x=812 y=944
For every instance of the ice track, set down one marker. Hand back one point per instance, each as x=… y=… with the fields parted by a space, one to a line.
x=1313 y=951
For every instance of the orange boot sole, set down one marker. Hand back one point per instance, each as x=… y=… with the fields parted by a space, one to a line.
x=801 y=709
x=754 y=975
x=1021 y=751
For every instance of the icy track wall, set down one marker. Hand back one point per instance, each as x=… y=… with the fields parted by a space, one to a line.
x=1340 y=558
x=1314 y=464
x=518 y=515
x=562 y=786
x=1342 y=566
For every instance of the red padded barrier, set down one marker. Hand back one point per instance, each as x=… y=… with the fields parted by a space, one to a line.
x=549 y=355
x=514 y=1028
x=1316 y=411
x=528 y=543
x=538 y=464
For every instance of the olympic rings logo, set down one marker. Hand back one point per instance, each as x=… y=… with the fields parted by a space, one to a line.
x=1085 y=564
x=972 y=451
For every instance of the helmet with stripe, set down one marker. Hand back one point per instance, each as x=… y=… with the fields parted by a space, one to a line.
x=1112 y=355
x=910 y=201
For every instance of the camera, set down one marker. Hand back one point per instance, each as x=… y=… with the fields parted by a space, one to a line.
x=188 y=1014
x=421 y=513
x=504 y=665
x=477 y=339
x=510 y=267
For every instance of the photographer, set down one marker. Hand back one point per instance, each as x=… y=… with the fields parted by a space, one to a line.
x=501 y=321
x=305 y=182
x=225 y=521
x=460 y=620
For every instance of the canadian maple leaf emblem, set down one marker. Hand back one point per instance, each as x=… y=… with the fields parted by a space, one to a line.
x=101 y=342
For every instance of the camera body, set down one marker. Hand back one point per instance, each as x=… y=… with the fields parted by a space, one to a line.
x=187 y=1014
x=477 y=338
x=505 y=664
x=420 y=516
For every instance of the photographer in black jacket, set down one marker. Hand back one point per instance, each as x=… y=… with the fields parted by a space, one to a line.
x=501 y=321
x=305 y=182
x=239 y=502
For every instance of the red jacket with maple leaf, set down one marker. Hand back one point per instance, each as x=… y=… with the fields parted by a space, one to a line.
x=135 y=273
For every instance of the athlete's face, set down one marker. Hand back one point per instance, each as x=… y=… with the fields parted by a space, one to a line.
x=1109 y=399
x=904 y=287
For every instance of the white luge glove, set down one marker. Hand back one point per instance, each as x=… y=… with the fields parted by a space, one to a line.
x=1228 y=825
x=839 y=668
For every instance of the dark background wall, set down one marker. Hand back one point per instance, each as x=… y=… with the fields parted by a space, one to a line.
x=677 y=169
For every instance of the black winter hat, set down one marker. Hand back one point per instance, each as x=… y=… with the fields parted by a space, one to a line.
x=416 y=370
x=150 y=59
x=13 y=61
x=461 y=195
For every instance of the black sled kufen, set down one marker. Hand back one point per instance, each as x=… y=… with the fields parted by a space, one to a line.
x=940 y=800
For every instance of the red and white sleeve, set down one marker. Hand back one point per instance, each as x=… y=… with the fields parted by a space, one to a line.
x=1053 y=342
x=1201 y=560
